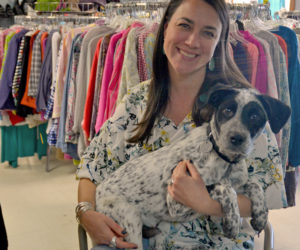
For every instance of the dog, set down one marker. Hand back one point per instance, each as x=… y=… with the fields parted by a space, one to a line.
x=136 y=193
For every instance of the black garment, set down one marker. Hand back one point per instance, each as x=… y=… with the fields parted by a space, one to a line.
x=3 y=235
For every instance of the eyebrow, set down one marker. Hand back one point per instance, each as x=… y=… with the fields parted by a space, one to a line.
x=192 y=22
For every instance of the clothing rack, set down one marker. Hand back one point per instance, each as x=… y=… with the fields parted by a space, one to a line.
x=248 y=11
x=136 y=9
x=56 y=19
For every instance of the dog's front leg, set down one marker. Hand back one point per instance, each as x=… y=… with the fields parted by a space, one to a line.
x=227 y=197
x=259 y=208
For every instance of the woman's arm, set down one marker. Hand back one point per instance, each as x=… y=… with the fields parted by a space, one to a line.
x=100 y=228
x=186 y=180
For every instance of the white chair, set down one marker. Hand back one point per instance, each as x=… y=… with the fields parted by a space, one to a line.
x=268 y=239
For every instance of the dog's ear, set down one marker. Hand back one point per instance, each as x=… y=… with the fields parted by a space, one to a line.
x=218 y=93
x=278 y=112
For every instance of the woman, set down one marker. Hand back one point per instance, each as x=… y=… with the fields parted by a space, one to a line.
x=191 y=52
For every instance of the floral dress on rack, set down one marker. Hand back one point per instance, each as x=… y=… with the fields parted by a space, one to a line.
x=109 y=150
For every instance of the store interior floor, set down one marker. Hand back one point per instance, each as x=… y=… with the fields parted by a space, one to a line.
x=38 y=208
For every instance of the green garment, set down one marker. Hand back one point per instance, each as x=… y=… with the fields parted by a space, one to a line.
x=22 y=141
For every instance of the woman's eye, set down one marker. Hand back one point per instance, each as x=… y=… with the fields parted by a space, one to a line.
x=184 y=25
x=209 y=34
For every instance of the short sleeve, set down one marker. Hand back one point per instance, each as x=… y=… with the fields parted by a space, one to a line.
x=265 y=168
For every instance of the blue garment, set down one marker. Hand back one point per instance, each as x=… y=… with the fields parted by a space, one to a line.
x=291 y=40
x=45 y=80
x=68 y=148
x=6 y=99
x=240 y=58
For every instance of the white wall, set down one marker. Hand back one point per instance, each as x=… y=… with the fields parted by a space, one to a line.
x=297 y=6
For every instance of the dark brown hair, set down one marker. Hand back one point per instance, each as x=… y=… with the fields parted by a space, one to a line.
x=225 y=70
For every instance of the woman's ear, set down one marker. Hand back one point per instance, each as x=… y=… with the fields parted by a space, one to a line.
x=165 y=28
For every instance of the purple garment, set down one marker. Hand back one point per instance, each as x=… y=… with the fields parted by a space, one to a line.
x=261 y=82
x=6 y=98
x=45 y=76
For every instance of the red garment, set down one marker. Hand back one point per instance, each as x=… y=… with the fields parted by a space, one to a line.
x=88 y=107
x=14 y=119
x=283 y=46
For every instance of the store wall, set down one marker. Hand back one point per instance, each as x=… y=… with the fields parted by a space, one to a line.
x=297 y=5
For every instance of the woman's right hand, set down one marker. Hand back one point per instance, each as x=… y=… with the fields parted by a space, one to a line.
x=102 y=229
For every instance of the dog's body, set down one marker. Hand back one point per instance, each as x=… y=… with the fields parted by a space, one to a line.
x=136 y=193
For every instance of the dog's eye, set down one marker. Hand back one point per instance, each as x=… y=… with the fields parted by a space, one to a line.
x=228 y=111
x=253 y=117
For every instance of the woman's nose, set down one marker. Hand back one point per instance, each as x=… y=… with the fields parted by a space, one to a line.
x=193 y=40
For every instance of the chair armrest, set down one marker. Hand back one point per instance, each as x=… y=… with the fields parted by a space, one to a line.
x=269 y=237
x=83 y=244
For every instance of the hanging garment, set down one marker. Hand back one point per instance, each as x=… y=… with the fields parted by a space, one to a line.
x=23 y=110
x=28 y=100
x=68 y=148
x=84 y=68
x=88 y=107
x=35 y=69
x=130 y=74
x=21 y=141
x=294 y=77
x=45 y=77
x=6 y=99
x=70 y=136
x=108 y=68
x=99 y=76
x=240 y=58
x=261 y=74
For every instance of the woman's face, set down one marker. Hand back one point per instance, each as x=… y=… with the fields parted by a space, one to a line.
x=191 y=36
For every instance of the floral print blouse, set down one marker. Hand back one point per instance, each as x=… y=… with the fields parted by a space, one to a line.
x=109 y=150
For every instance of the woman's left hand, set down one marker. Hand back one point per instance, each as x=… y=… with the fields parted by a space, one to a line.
x=189 y=189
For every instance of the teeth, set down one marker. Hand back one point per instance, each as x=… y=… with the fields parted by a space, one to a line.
x=188 y=55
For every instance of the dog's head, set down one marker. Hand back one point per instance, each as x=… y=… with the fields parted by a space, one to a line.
x=240 y=116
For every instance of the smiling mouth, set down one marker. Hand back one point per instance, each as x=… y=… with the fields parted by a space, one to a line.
x=187 y=54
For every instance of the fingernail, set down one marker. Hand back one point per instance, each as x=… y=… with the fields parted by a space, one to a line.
x=191 y=161
x=124 y=231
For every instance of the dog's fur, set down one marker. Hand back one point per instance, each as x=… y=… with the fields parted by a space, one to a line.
x=136 y=193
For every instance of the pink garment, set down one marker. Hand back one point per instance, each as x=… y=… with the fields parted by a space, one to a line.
x=261 y=76
x=113 y=88
x=108 y=68
x=141 y=48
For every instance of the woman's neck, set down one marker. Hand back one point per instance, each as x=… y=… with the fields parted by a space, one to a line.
x=182 y=93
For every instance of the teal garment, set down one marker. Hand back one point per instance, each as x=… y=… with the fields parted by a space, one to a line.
x=22 y=141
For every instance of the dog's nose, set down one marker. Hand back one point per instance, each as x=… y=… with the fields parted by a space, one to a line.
x=237 y=140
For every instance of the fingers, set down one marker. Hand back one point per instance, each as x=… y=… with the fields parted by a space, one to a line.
x=116 y=228
x=120 y=233
x=123 y=244
x=192 y=169
x=180 y=169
